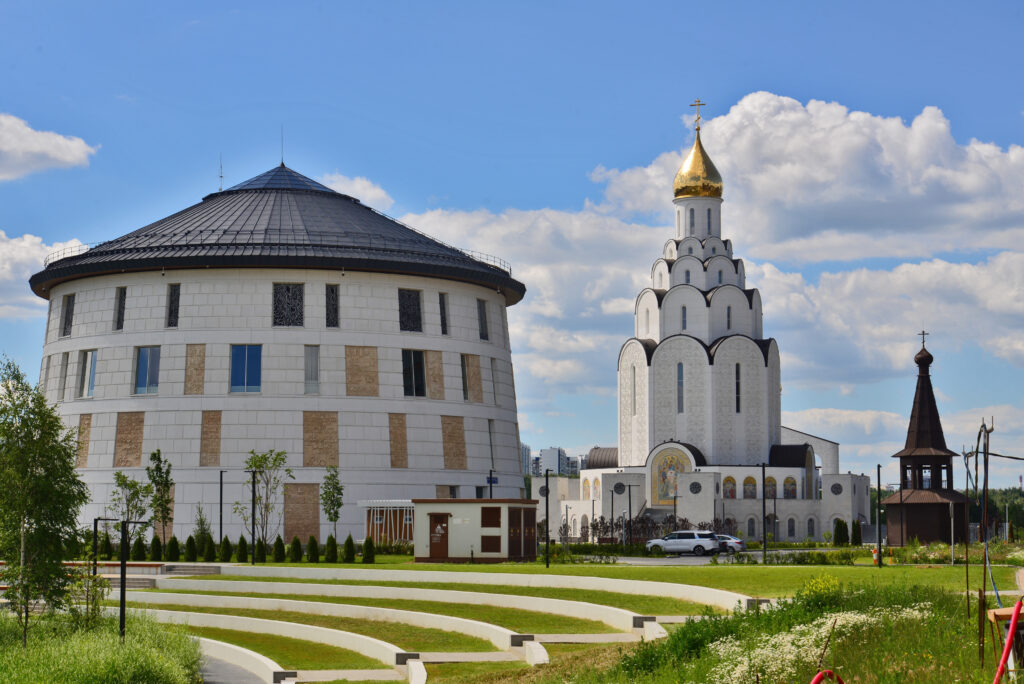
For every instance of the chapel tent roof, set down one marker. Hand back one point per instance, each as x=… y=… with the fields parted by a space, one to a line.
x=924 y=434
x=279 y=219
x=924 y=496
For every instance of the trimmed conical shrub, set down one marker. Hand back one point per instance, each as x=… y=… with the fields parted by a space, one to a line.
x=138 y=549
x=173 y=550
x=331 y=550
x=855 y=534
x=191 y=556
x=312 y=550
x=242 y=552
x=224 y=555
x=369 y=552
x=840 y=533
x=295 y=551
x=279 y=550
x=156 y=551
x=261 y=552
x=209 y=550
x=348 y=552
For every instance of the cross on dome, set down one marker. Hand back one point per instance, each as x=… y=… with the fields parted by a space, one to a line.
x=698 y=104
x=923 y=334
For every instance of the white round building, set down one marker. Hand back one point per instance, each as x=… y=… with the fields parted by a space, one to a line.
x=279 y=314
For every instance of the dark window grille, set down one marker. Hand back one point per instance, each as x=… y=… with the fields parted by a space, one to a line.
x=442 y=302
x=288 y=304
x=67 y=315
x=481 y=316
x=331 y=296
x=410 y=315
x=414 y=378
x=122 y=298
x=173 y=297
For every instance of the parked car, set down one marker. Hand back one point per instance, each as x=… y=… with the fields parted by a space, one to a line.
x=731 y=544
x=686 y=541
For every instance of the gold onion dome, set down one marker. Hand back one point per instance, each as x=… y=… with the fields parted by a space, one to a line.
x=698 y=177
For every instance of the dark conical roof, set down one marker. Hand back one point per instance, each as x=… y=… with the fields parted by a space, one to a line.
x=281 y=219
x=924 y=434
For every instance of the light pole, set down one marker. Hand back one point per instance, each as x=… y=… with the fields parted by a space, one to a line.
x=878 y=518
x=253 y=518
x=222 y=503
x=764 y=520
x=490 y=484
x=547 y=519
x=124 y=565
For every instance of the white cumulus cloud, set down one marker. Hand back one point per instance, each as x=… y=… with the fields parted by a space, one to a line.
x=23 y=256
x=24 y=150
x=363 y=189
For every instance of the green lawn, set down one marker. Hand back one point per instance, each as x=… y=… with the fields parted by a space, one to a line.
x=292 y=654
x=638 y=603
x=767 y=581
x=522 y=621
x=406 y=637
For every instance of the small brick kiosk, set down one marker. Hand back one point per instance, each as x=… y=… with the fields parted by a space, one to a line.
x=474 y=530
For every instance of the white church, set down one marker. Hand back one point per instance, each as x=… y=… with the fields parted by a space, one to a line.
x=699 y=394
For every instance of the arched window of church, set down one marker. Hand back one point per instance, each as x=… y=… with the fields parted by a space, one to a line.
x=810 y=528
x=791 y=528
x=709 y=221
x=750 y=528
x=719 y=277
x=693 y=221
x=728 y=318
x=789 y=488
x=679 y=388
x=633 y=391
x=737 y=388
x=770 y=490
x=687 y=274
x=749 y=488
x=729 y=488
x=684 y=318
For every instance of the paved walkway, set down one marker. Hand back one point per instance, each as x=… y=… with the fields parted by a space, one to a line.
x=216 y=671
x=472 y=657
x=351 y=675
x=614 y=638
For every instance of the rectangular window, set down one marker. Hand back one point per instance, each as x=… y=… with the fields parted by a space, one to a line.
x=67 y=316
x=87 y=373
x=481 y=493
x=737 y=388
x=679 y=388
x=728 y=318
x=63 y=376
x=173 y=296
x=413 y=376
x=147 y=369
x=494 y=379
x=481 y=317
x=453 y=492
x=120 y=299
x=490 y=438
x=288 y=305
x=331 y=299
x=465 y=378
x=246 y=362
x=410 y=313
x=46 y=373
x=442 y=303
x=684 y=318
x=312 y=369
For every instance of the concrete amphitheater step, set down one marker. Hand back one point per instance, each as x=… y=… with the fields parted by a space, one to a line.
x=132 y=581
x=185 y=569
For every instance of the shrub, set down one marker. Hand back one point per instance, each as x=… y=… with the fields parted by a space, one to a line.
x=841 y=533
x=190 y=550
x=106 y=548
x=312 y=550
x=209 y=550
x=295 y=551
x=369 y=553
x=173 y=550
x=139 y=549
x=243 y=550
x=331 y=550
x=260 y=554
x=279 y=550
x=156 y=551
x=348 y=551
x=225 y=550
x=855 y=539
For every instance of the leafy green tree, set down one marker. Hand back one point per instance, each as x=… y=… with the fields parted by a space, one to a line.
x=162 y=486
x=260 y=552
x=295 y=551
x=242 y=551
x=331 y=550
x=40 y=497
x=173 y=550
x=156 y=551
x=191 y=555
x=202 y=526
x=138 y=552
x=369 y=551
x=130 y=501
x=312 y=550
x=271 y=473
x=331 y=496
x=278 y=550
x=224 y=556
x=348 y=551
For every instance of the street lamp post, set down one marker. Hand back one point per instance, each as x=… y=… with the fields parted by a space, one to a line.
x=878 y=518
x=764 y=521
x=253 y=518
x=222 y=503
x=124 y=566
x=547 y=519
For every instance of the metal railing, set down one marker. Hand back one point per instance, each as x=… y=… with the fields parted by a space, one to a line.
x=69 y=251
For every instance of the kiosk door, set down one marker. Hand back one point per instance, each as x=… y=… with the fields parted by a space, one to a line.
x=439 y=536
x=529 y=534
x=515 y=533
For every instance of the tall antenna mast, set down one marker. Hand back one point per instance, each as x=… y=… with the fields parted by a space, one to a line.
x=282 y=144
x=220 y=156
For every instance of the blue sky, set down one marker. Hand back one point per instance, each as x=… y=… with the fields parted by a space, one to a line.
x=871 y=156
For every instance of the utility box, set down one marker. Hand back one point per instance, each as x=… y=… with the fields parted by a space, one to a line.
x=474 y=530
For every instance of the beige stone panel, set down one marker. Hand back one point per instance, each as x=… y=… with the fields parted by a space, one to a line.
x=195 y=368
x=476 y=388
x=399 y=440
x=442 y=491
x=209 y=439
x=361 y=378
x=301 y=511
x=84 y=430
x=435 y=375
x=319 y=439
x=128 y=439
x=453 y=437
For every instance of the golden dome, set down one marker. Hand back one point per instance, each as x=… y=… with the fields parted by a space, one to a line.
x=698 y=177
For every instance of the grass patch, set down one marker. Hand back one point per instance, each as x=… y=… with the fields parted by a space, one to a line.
x=754 y=580
x=57 y=652
x=406 y=637
x=638 y=603
x=523 y=621
x=292 y=654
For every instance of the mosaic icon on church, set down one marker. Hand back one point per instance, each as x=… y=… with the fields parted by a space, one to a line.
x=667 y=467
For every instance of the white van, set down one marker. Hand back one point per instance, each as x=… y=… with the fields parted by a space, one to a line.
x=695 y=542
